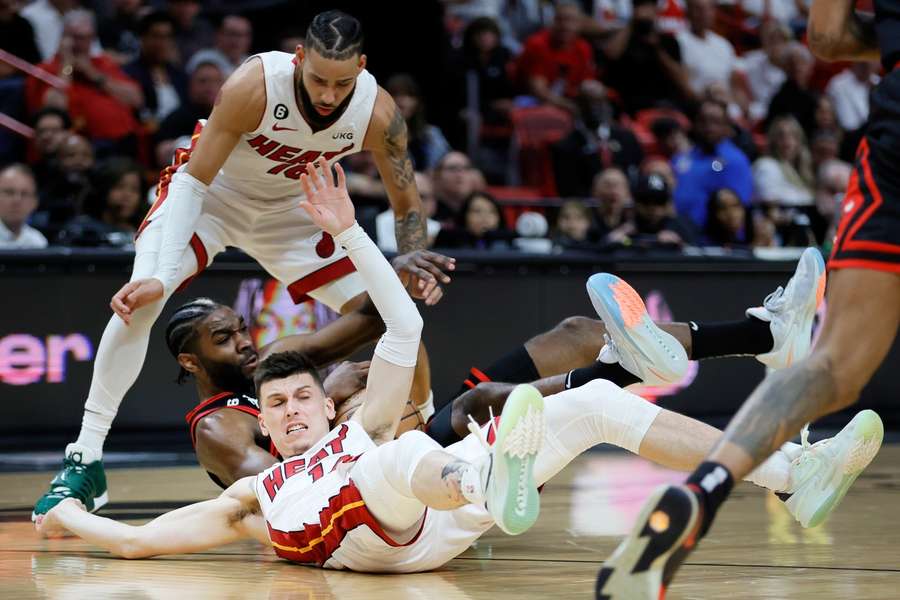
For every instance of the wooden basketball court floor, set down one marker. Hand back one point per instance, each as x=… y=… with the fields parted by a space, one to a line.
x=755 y=551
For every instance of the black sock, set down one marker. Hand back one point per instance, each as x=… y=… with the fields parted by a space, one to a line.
x=440 y=427
x=712 y=482
x=749 y=336
x=515 y=367
x=600 y=370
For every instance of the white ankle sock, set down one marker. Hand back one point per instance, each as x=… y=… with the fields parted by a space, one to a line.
x=775 y=472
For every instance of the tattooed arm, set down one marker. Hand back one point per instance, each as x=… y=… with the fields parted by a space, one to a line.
x=386 y=139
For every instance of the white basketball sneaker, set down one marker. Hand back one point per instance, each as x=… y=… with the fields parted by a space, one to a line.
x=790 y=311
x=507 y=473
x=824 y=471
x=633 y=339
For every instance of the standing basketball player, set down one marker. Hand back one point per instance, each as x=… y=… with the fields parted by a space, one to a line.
x=238 y=186
x=354 y=498
x=863 y=315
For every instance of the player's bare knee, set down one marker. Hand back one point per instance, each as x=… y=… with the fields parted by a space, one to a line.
x=579 y=326
x=483 y=397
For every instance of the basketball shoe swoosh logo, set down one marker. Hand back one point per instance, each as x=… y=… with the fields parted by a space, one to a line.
x=275 y=127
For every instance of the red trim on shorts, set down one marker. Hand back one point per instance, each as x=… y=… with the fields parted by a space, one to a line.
x=317 y=542
x=479 y=375
x=300 y=288
x=470 y=384
x=202 y=257
x=165 y=177
x=859 y=263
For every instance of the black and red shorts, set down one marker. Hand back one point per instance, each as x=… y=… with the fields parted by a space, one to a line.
x=868 y=235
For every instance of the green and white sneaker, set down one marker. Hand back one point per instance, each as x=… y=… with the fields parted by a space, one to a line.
x=507 y=472
x=824 y=471
x=81 y=477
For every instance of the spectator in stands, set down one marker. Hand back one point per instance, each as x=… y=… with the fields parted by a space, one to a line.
x=707 y=56
x=18 y=199
x=831 y=186
x=426 y=143
x=454 y=181
x=613 y=195
x=714 y=162
x=671 y=138
x=101 y=99
x=113 y=211
x=51 y=126
x=557 y=65
x=479 y=226
x=849 y=92
x=162 y=81
x=206 y=79
x=18 y=37
x=118 y=31
x=483 y=62
x=64 y=194
x=46 y=18
x=233 y=40
x=726 y=220
x=784 y=12
x=192 y=31
x=654 y=225
x=644 y=64
x=762 y=68
x=596 y=142
x=785 y=176
x=794 y=96
x=656 y=165
x=825 y=146
x=384 y=222
x=737 y=133
x=574 y=228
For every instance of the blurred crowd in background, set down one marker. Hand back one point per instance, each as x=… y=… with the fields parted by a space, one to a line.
x=589 y=126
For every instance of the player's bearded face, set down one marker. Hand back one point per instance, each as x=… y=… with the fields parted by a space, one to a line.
x=295 y=413
x=325 y=84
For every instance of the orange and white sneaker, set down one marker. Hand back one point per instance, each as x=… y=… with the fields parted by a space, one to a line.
x=790 y=311
x=632 y=338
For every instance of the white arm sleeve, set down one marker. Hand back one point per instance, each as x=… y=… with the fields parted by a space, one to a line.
x=179 y=221
x=403 y=325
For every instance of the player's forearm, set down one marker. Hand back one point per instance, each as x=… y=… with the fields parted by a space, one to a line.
x=400 y=343
x=179 y=223
x=117 y=538
x=410 y=231
x=835 y=32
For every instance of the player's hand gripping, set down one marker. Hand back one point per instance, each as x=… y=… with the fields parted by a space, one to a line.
x=134 y=295
x=421 y=272
x=328 y=205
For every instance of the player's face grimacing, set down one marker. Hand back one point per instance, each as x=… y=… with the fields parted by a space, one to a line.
x=295 y=413
x=328 y=82
x=224 y=347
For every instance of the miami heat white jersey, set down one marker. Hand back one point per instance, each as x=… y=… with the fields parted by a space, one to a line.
x=316 y=514
x=266 y=163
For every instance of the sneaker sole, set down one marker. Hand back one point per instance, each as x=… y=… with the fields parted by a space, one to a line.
x=635 y=571
x=520 y=436
x=869 y=430
x=626 y=319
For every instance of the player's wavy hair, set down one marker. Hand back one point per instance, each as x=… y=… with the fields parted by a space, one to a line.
x=335 y=35
x=181 y=330
x=282 y=365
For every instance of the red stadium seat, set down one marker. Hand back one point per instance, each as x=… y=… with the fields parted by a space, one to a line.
x=534 y=130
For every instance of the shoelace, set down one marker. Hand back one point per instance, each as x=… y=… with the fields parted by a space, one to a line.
x=82 y=488
x=475 y=429
x=775 y=300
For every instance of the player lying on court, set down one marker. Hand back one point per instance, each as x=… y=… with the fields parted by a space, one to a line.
x=354 y=497
x=238 y=186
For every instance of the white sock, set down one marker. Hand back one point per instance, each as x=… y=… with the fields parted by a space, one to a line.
x=471 y=484
x=775 y=473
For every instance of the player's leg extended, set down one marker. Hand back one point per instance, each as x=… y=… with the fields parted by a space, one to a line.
x=862 y=305
x=120 y=356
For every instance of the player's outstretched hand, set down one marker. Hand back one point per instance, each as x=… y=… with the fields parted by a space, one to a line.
x=422 y=272
x=327 y=204
x=49 y=526
x=134 y=295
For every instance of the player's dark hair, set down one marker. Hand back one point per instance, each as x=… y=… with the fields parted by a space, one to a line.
x=181 y=330
x=282 y=365
x=335 y=34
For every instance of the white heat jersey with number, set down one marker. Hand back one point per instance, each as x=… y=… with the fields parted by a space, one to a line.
x=316 y=514
x=266 y=163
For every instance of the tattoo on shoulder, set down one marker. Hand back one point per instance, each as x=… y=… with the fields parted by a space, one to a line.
x=410 y=232
x=395 y=140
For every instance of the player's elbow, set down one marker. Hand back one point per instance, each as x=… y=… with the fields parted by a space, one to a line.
x=132 y=548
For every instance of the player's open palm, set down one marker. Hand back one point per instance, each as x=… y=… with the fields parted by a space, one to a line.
x=328 y=205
